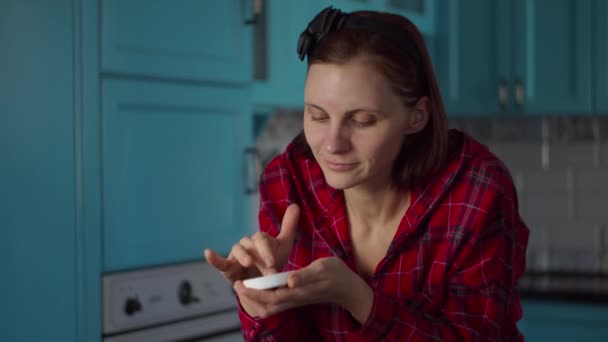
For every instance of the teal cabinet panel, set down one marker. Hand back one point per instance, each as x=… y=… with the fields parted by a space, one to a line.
x=553 y=57
x=600 y=64
x=88 y=169
x=284 y=84
x=560 y=321
x=421 y=12
x=472 y=56
x=38 y=231
x=173 y=158
x=521 y=57
x=187 y=39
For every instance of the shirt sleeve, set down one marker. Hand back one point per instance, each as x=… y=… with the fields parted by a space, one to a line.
x=479 y=301
x=279 y=327
x=274 y=198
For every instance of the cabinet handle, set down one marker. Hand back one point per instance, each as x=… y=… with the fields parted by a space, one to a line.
x=503 y=94
x=257 y=6
x=519 y=93
x=251 y=170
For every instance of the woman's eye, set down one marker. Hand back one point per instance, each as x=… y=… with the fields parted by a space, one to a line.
x=318 y=117
x=363 y=120
x=363 y=123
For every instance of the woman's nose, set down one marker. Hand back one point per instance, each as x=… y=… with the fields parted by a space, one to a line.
x=337 y=140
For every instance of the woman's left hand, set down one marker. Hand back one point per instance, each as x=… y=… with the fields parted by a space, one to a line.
x=326 y=280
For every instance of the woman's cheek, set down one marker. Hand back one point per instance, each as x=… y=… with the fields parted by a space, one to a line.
x=314 y=136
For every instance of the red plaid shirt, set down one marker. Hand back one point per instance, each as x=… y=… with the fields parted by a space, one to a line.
x=449 y=274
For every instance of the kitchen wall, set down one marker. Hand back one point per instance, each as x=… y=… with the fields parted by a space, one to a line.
x=560 y=169
x=559 y=166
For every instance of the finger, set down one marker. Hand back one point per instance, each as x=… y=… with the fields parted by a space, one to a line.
x=273 y=309
x=264 y=245
x=315 y=272
x=242 y=255
x=267 y=302
x=289 y=224
x=217 y=261
x=252 y=307
x=254 y=253
x=303 y=295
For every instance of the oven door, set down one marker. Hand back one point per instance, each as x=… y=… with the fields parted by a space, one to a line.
x=221 y=327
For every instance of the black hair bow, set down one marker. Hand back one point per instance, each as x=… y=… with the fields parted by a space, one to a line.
x=328 y=20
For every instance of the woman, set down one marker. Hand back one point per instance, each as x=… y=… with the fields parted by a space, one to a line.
x=394 y=228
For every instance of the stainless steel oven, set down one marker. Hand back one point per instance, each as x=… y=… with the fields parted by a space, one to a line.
x=182 y=302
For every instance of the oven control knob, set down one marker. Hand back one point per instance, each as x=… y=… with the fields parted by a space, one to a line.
x=132 y=305
x=184 y=293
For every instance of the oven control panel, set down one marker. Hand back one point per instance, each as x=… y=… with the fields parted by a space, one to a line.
x=148 y=297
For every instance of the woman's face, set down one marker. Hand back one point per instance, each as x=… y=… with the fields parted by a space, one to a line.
x=354 y=123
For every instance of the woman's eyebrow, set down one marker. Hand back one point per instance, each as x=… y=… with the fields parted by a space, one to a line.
x=352 y=111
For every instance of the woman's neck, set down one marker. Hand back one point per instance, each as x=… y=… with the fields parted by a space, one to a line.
x=378 y=207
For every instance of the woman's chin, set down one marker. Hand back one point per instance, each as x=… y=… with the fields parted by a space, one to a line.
x=340 y=183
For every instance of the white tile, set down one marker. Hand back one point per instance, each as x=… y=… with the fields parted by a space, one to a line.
x=579 y=155
x=518 y=155
x=591 y=194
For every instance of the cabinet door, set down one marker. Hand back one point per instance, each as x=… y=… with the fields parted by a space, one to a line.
x=553 y=56
x=172 y=170
x=472 y=55
x=284 y=82
x=186 y=39
x=420 y=12
x=600 y=48
x=558 y=321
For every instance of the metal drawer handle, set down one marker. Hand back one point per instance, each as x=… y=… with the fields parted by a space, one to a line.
x=251 y=170
x=503 y=94
x=519 y=93
x=257 y=6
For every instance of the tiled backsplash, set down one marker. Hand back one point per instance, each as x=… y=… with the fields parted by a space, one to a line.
x=559 y=166
x=560 y=169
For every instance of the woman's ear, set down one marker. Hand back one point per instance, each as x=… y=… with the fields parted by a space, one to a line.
x=419 y=116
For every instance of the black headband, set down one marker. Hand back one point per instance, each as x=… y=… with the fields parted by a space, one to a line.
x=331 y=19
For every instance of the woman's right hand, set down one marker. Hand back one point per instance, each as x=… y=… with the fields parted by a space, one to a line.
x=260 y=254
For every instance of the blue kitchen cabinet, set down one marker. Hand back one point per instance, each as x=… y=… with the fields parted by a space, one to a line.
x=600 y=49
x=283 y=85
x=546 y=320
x=515 y=57
x=472 y=56
x=172 y=167
x=190 y=39
x=421 y=12
x=552 y=66
x=49 y=213
x=60 y=135
x=176 y=120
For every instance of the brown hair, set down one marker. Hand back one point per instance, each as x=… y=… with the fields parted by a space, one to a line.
x=422 y=153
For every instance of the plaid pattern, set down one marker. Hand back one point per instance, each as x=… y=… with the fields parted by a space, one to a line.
x=450 y=273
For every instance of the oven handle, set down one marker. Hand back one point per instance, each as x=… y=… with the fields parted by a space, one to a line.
x=252 y=170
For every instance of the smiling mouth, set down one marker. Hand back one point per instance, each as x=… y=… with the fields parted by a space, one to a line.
x=340 y=166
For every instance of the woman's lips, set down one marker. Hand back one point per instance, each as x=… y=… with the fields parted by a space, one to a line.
x=340 y=167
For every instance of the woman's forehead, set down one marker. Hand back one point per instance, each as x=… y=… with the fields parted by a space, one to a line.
x=352 y=81
x=345 y=87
